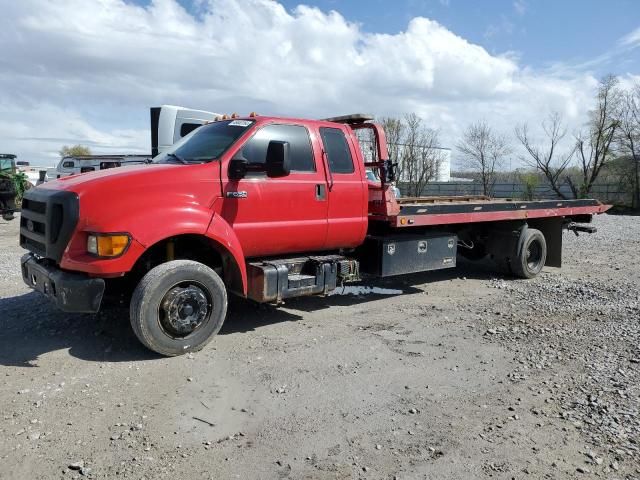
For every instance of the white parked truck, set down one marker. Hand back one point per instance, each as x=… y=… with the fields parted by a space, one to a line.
x=169 y=123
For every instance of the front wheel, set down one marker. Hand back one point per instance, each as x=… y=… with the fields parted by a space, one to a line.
x=178 y=307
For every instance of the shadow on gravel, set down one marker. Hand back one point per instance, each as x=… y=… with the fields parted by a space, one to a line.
x=244 y=316
x=32 y=327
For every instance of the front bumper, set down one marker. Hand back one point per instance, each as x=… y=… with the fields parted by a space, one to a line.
x=71 y=292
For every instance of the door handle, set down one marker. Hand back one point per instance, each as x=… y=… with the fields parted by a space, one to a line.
x=321 y=192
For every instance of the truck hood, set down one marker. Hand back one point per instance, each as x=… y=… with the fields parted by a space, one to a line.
x=135 y=173
x=116 y=199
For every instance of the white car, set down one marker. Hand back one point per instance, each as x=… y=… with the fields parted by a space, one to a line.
x=373 y=178
x=91 y=163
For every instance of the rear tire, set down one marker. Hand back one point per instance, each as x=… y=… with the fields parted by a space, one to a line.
x=178 y=307
x=532 y=255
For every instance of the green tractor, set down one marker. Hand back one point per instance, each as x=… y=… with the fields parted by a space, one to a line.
x=8 y=190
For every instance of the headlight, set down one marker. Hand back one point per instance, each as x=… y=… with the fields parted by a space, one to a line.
x=107 y=244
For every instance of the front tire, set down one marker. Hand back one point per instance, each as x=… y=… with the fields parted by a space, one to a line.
x=178 y=307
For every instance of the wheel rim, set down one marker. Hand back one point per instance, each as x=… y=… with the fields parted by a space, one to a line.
x=534 y=254
x=185 y=308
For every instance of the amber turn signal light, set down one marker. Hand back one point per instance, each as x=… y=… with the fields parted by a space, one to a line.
x=107 y=245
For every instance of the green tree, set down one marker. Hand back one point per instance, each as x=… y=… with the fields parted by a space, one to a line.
x=530 y=182
x=74 y=151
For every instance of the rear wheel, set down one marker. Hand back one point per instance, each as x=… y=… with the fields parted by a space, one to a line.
x=532 y=255
x=178 y=307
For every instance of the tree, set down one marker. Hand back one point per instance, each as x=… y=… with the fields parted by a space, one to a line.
x=416 y=150
x=394 y=131
x=530 y=182
x=483 y=151
x=74 y=151
x=628 y=136
x=594 y=147
x=419 y=156
x=547 y=160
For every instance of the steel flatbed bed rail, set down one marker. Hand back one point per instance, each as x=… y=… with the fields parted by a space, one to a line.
x=429 y=211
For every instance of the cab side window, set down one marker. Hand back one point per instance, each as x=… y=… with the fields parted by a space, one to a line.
x=337 y=150
x=68 y=164
x=301 y=154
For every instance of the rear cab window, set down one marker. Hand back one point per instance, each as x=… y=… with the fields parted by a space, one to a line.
x=337 y=150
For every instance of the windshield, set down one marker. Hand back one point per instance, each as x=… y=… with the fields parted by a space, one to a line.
x=6 y=164
x=205 y=143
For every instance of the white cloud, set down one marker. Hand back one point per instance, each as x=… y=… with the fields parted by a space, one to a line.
x=520 y=6
x=631 y=39
x=87 y=72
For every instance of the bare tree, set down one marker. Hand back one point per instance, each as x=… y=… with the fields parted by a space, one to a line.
x=394 y=131
x=483 y=151
x=419 y=155
x=547 y=159
x=594 y=147
x=415 y=149
x=628 y=136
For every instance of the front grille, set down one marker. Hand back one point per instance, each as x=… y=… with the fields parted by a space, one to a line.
x=47 y=221
x=33 y=246
x=37 y=207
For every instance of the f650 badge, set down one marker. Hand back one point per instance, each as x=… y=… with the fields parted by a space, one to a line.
x=242 y=194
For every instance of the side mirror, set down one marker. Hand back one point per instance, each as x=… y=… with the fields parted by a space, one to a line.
x=237 y=168
x=277 y=163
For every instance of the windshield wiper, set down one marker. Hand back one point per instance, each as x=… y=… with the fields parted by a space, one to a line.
x=177 y=157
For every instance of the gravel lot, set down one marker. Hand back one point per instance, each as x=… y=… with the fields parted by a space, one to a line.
x=465 y=374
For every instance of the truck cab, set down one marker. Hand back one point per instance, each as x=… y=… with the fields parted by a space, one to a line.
x=229 y=194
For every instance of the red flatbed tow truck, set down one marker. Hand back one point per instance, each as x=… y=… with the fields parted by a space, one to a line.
x=267 y=208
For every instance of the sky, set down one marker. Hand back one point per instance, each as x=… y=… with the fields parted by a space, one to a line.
x=87 y=71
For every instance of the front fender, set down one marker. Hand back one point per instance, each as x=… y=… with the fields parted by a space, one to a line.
x=221 y=232
x=150 y=229
x=146 y=229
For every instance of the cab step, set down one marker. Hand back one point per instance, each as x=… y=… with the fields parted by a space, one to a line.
x=297 y=280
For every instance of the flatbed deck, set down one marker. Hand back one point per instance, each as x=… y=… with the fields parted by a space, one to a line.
x=429 y=211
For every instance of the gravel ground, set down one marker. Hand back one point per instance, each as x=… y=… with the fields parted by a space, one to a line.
x=456 y=374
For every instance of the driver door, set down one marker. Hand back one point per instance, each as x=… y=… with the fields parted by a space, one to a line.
x=284 y=215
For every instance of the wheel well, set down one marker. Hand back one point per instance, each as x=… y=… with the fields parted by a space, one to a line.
x=188 y=247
